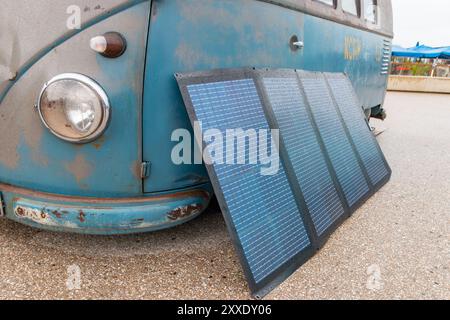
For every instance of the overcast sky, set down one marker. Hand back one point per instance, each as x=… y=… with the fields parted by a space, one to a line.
x=427 y=21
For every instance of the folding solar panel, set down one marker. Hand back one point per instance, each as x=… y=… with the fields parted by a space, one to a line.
x=261 y=210
x=330 y=162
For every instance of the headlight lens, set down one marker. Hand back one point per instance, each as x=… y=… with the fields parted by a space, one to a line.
x=74 y=108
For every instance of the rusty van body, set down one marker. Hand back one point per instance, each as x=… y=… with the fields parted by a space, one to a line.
x=108 y=169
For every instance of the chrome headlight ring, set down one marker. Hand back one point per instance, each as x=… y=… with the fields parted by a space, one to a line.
x=74 y=108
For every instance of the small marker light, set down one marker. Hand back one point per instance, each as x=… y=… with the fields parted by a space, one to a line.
x=99 y=44
x=110 y=45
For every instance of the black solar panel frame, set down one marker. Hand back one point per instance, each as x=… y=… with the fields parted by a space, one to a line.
x=261 y=289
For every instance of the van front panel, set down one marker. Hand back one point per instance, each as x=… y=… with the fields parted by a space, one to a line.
x=32 y=157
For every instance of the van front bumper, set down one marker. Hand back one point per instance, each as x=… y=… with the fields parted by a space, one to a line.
x=100 y=215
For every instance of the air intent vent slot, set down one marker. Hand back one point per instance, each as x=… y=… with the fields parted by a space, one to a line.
x=386 y=57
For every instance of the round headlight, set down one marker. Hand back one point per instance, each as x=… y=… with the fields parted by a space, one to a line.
x=74 y=108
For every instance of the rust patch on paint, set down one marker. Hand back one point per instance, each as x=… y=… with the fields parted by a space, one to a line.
x=136 y=169
x=82 y=216
x=20 y=212
x=35 y=215
x=80 y=168
x=99 y=142
x=57 y=214
x=184 y=212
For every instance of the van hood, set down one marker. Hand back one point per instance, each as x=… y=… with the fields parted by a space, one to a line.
x=29 y=29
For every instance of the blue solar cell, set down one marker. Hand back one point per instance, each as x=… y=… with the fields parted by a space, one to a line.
x=363 y=138
x=263 y=209
x=337 y=143
x=305 y=154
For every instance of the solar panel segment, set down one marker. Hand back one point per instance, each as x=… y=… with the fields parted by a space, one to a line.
x=367 y=146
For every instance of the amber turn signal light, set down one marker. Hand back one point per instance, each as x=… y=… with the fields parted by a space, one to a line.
x=109 y=45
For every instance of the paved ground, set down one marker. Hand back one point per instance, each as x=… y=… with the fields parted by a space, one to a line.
x=396 y=246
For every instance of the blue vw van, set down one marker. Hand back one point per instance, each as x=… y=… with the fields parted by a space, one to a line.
x=88 y=98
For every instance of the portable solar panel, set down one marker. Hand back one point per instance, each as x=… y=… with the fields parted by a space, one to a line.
x=329 y=161
x=262 y=212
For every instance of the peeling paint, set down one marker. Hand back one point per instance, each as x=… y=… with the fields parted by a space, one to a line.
x=80 y=168
x=184 y=212
x=103 y=216
x=35 y=215
x=136 y=169
x=57 y=214
x=82 y=216
x=97 y=144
